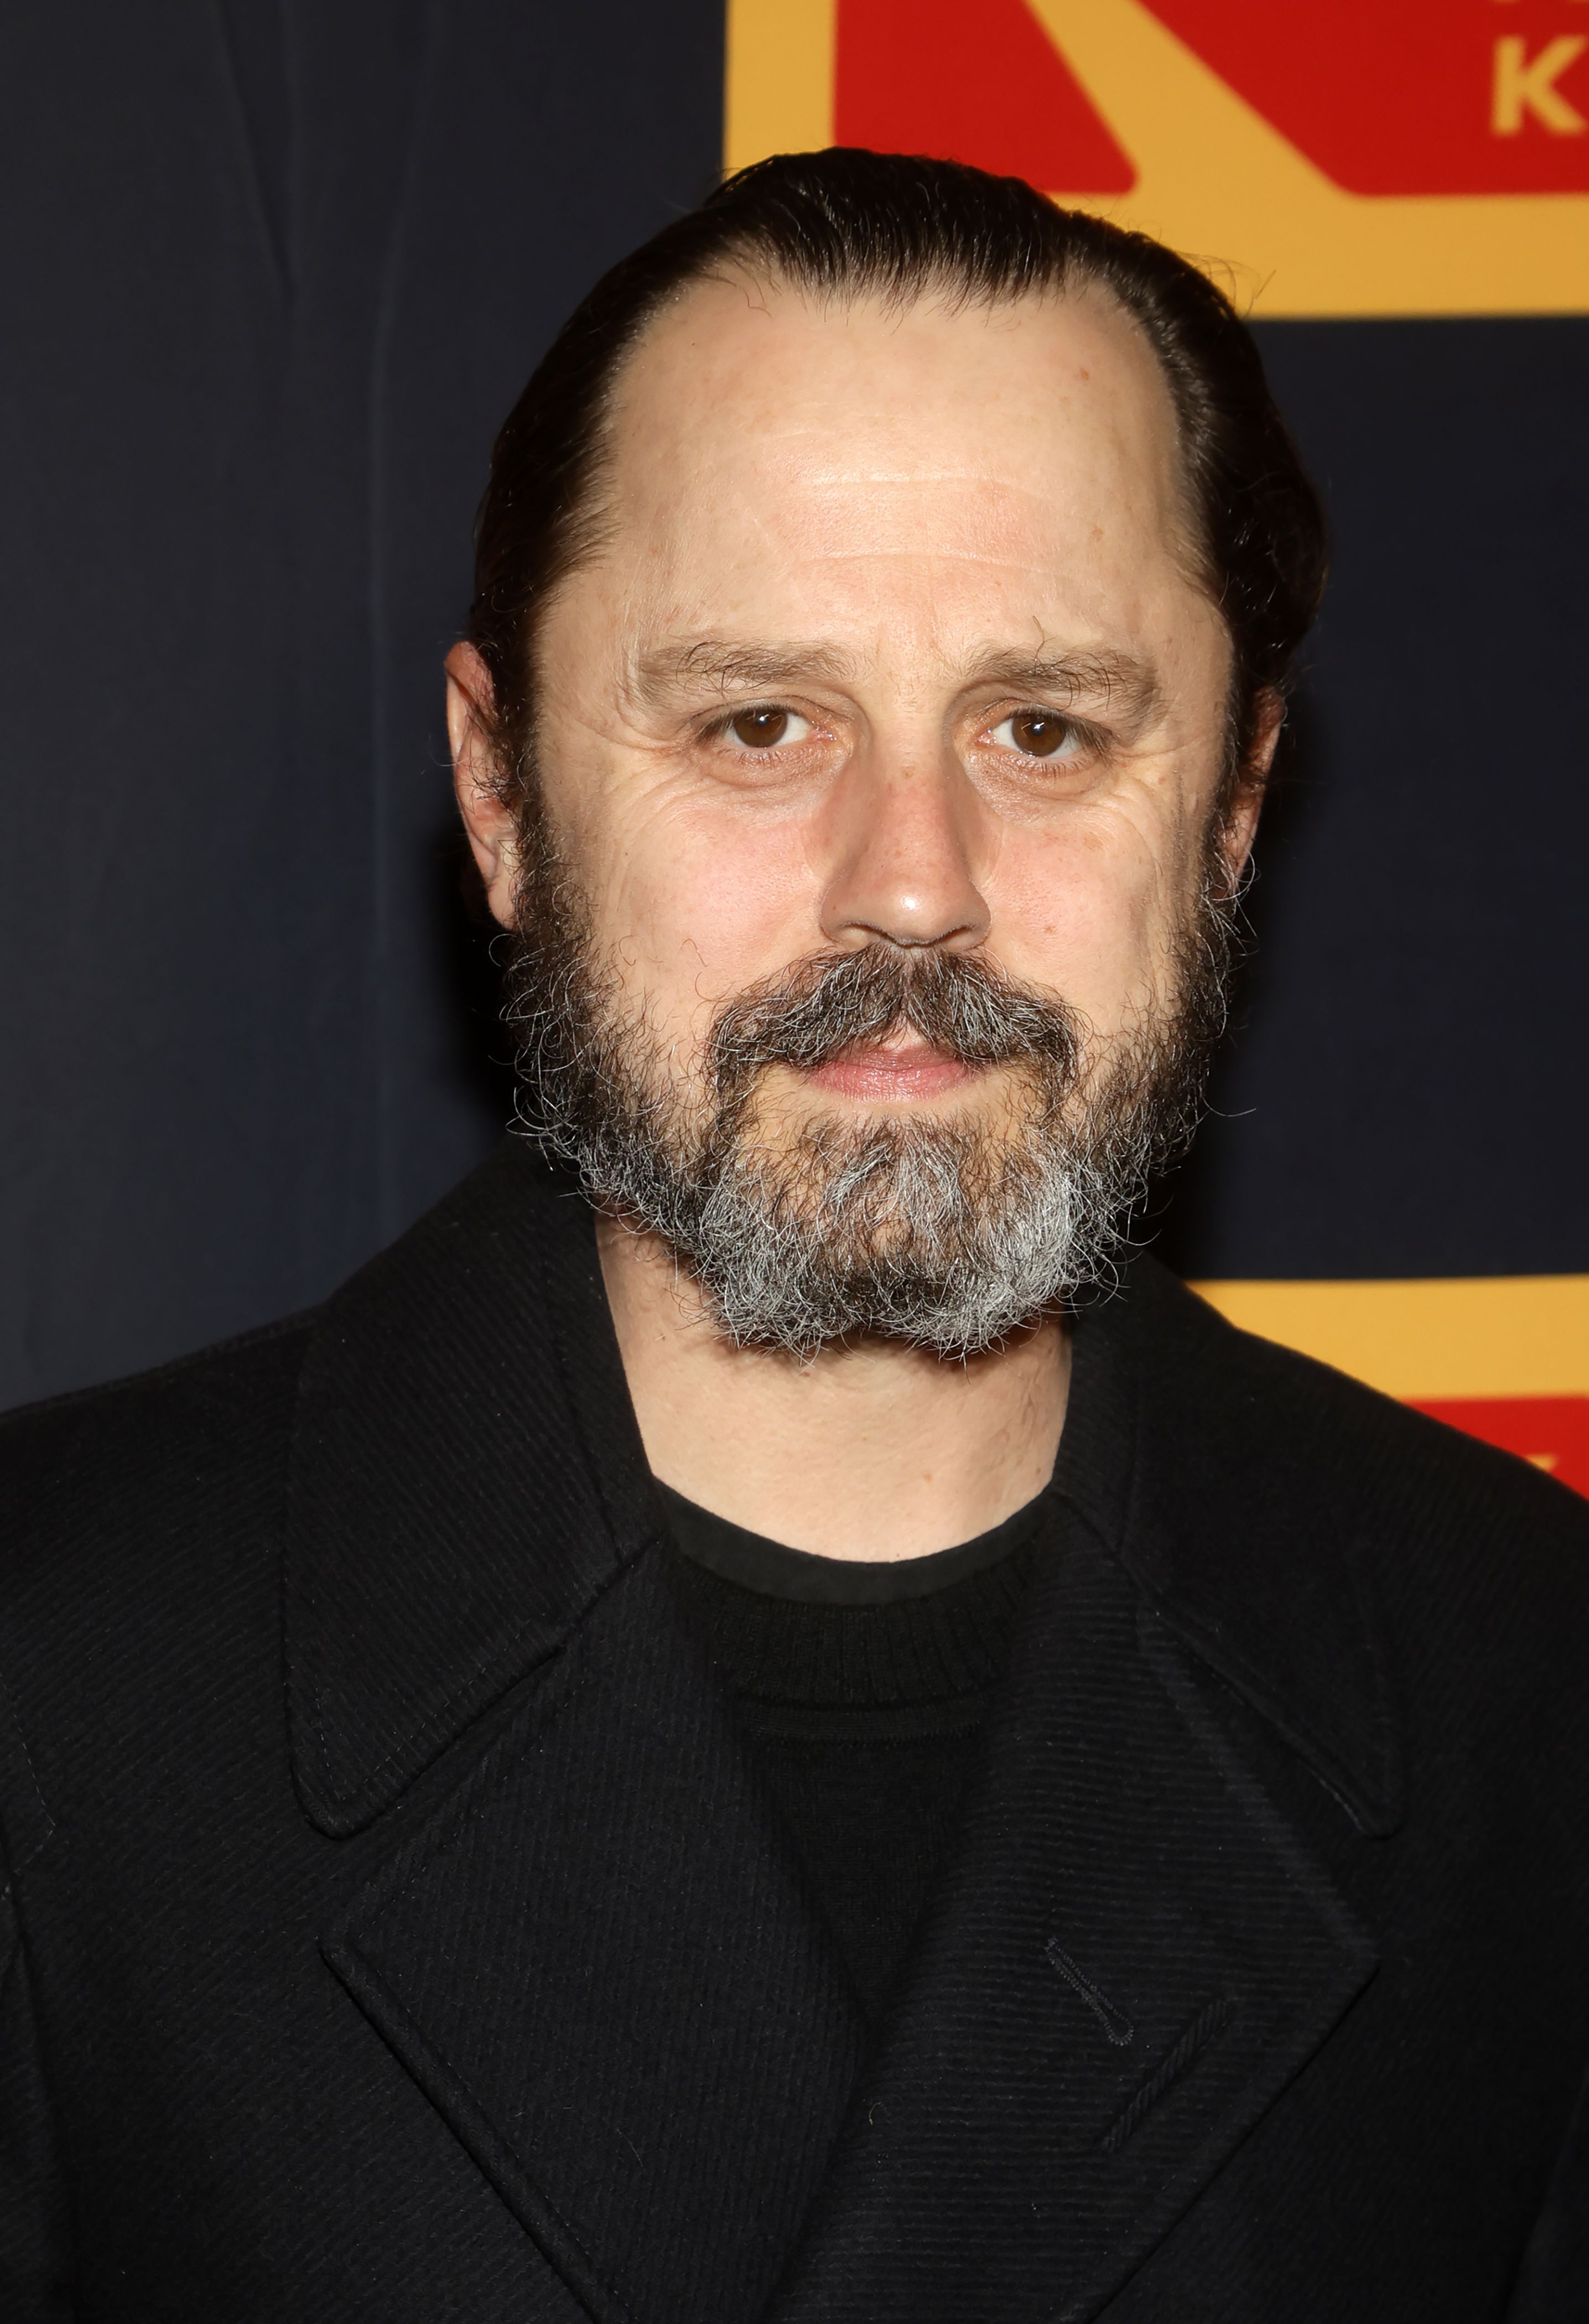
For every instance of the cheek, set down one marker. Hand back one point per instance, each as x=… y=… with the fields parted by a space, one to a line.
x=1089 y=912
x=696 y=906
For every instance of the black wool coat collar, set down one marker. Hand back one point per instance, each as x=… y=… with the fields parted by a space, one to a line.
x=595 y=1954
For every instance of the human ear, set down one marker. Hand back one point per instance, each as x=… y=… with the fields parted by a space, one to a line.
x=488 y=819
x=1240 y=827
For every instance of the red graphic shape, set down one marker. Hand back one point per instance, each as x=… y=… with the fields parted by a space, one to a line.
x=1553 y=1430
x=981 y=84
x=1400 y=96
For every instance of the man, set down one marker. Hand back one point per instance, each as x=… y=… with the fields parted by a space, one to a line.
x=837 y=1751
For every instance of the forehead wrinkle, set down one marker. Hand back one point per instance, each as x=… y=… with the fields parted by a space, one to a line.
x=862 y=478
x=917 y=553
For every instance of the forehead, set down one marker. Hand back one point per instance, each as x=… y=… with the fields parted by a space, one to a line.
x=1019 y=456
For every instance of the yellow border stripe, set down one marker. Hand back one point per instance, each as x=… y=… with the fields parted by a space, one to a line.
x=1478 y=1336
x=779 y=95
x=1218 y=179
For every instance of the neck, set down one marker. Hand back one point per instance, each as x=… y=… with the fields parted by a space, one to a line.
x=874 y=1452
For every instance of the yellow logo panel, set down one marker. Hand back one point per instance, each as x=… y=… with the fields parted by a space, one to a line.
x=1504 y=1357
x=1377 y=157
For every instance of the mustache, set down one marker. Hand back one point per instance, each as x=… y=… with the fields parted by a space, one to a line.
x=811 y=1013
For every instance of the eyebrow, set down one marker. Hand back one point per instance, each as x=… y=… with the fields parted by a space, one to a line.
x=1123 y=683
x=727 y=663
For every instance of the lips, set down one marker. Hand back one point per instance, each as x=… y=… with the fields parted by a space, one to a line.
x=910 y=1073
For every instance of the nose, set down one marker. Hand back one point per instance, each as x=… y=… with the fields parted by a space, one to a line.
x=902 y=844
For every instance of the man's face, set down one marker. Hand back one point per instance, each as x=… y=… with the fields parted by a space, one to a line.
x=889 y=649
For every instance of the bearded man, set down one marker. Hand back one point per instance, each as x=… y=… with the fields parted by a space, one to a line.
x=846 y=1753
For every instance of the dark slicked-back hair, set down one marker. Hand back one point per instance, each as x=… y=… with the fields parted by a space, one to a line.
x=850 y=224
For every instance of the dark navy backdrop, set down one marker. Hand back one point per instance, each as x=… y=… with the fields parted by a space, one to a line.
x=273 y=270
x=1409 y=1094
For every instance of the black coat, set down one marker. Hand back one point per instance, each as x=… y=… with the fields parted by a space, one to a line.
x=456 y=1969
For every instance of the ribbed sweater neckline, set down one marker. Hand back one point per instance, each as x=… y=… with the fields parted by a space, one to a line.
x=787 y=1628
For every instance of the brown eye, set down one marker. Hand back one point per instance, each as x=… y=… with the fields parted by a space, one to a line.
x=1038 y=732
x=759 y=730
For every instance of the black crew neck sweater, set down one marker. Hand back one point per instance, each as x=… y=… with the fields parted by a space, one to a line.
x=863 y=1687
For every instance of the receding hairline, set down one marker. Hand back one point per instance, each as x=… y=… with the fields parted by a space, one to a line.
x=1084 y=289
x=597 y=514
x=760 y=276
x=939 y=283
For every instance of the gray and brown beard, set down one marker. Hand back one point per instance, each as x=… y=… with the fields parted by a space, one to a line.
x=947 y=1234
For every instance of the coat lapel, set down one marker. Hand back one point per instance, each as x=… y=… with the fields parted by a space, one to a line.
x=595 y=1956
x=597 y=1962
x=467 y=1478
x=1130 y=1959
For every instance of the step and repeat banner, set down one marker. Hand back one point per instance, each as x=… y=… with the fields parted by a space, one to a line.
x=273 y=272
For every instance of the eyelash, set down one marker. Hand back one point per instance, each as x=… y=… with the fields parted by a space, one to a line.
x=1081 y=739
x=1075 y=739
x=720 y=728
